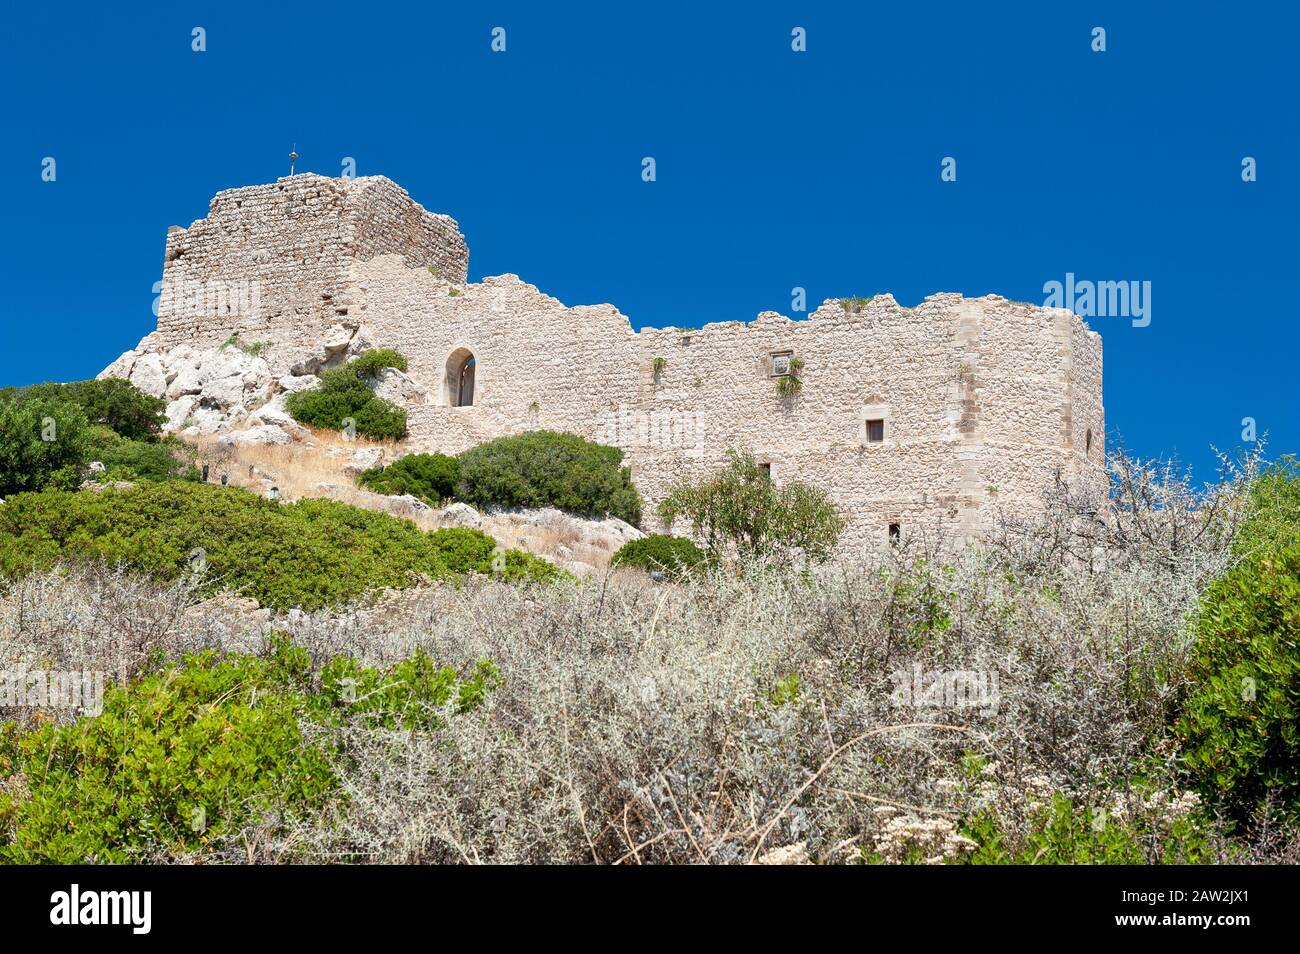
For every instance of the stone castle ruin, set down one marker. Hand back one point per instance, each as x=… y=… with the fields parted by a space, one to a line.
x=939 y=415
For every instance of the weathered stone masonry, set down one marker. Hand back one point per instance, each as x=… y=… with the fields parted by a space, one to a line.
x=982 y=400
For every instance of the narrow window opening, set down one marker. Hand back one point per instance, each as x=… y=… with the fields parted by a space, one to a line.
x=895 y=534
x=1087 y=443
x=461 y=368
x=876 y=431
x=765 y=468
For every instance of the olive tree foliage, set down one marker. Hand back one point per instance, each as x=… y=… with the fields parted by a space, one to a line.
x=739 y=508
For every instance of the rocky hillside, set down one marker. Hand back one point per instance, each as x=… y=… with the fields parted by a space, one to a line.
x=232 y=389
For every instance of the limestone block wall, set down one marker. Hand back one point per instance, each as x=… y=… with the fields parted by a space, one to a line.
x=270 y=262
x=984 y=401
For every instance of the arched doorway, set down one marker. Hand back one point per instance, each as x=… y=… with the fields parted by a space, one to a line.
x=460 y=378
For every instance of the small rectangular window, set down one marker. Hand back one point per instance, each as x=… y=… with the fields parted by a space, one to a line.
x=875 y=431
x=765 y=469
x=781 y=363
x=895 y=534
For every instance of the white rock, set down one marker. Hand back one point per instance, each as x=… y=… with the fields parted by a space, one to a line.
x=399 y=388
x=181 y=357
x=206 y=420
x=97 y=467
x=299 y=382
x=147 y=374
x=404 y=505
x=362 y=341
x=121 y=368
x=337 y=339
x=179 y=410
x=273 y=412
x=186 y=382
x=364 y=459
x=616 y=530
x=461 y=515
x=223 y=392
x=260 y=435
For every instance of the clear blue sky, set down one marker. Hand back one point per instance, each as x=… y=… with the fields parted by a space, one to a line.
x=775 y=169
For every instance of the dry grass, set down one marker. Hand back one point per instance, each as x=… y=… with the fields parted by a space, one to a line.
x=301 y=469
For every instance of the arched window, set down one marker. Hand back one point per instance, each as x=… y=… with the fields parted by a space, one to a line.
x=460 y=378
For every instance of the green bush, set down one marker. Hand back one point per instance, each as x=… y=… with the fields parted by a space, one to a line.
x=431 y=477
x=112 y=402
x=138 y=460
x=43 y=442
x=1065 y=833
x=372 y=362
x=472 y=551
x=345 y=393
x=659 y=551
x=311 y=554
x=549 y=469
x=740 y=507
x=1273 y=509
x=1239 y=725
x=203 y=748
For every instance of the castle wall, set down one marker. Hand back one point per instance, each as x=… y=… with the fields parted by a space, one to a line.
x=980 y=396
x=984 y=400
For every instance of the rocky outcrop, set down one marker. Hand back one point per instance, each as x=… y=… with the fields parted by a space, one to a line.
x=364 y=459
x=235 y=387
x=460 y=515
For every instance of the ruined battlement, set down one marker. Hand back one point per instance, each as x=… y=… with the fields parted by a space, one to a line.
x=272 y=261
x=938 y=415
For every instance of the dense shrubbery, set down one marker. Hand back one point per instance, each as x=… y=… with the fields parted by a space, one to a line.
x=199 y=751
x=549 y=469
x=740 y=508
x=124 y=459
x=431 y=477
x=1061 y=832
x=472 y=551
x=42 y=442
x=372 y=362
x=770 y=707
x=49 y=433
x=111 y=402
x=344 y=393
x=311 y=553
x=659 y=551
x=1240 y=728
